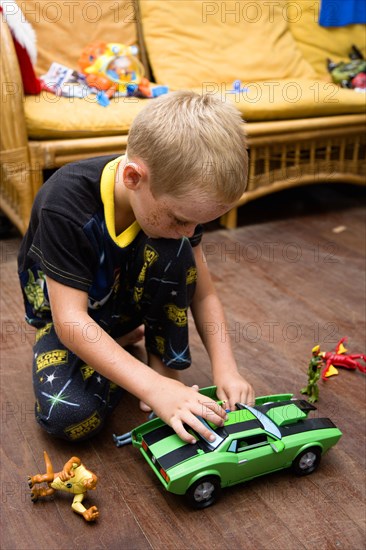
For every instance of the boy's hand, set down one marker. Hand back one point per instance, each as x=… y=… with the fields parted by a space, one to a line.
x=178 y=404
x=233 y=388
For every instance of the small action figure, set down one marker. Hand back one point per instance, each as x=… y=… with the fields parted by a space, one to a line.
x=340 y=359
x=315 y=363
x=74 y=479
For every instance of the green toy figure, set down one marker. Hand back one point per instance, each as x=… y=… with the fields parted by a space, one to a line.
x=312 y=389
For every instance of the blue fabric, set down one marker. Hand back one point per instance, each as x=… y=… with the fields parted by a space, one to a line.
x=338 y=13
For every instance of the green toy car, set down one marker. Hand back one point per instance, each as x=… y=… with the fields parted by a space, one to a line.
x=274 y=434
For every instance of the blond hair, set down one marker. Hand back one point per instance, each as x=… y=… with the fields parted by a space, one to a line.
x=191 y=142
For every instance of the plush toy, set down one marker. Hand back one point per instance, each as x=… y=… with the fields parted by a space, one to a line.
x=350 y=74
x=24 y=39
x=111 y=65
x=115 y=68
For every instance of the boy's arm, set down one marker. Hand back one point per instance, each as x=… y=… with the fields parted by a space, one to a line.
x=210 y=321
x=174 y=402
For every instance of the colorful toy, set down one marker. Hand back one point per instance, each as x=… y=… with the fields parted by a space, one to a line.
x=74 y=478
x=115 y=68
x=147 y=89
x=315 y=364
x=339 y=358
x=274 y=434
x=111 y=66
x=351 y=74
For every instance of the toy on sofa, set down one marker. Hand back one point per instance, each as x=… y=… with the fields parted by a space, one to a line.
x=114 y=68
x=74 y=478
x=274 y=434
x=110 y=67
x=350 y=74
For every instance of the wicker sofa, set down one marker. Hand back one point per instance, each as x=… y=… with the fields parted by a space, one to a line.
x=301 y=128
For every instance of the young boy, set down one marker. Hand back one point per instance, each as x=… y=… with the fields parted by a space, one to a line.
x=113 y=254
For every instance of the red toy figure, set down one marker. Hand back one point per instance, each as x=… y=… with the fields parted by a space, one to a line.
x=340 y=359
x=74 y=479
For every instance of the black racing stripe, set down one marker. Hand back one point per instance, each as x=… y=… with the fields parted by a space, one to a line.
x=179 y=455
x=157 y=435
x=303 y=405
x=306 y=426
x=188 y=451
x=242 y=426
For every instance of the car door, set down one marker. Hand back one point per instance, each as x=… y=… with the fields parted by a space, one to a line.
x=253 y=456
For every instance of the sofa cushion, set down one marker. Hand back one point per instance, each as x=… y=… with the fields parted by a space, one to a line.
x=319 y=43
x=51 y=117
x=193 y=42
x=292 y=99
x=63 y=28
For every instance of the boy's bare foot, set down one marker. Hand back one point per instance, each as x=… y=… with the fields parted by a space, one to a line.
x=131 y=338
x=144 y=407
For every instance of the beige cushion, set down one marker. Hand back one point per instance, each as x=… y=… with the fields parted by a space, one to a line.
x=49 y=116
x=291 y=99
x=63 y=28
x=190 y=42
x=319 y=43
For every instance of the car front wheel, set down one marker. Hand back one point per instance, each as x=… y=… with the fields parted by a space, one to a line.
x=204 y=492
x=307 y=461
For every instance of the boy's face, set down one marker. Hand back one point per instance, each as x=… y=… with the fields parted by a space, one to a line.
x=167 y=216
x=173 y=218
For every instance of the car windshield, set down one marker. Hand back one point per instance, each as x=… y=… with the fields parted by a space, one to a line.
x=218 y=438
x=266 y=422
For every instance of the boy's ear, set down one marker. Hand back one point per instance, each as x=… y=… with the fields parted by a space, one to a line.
x=132 y=174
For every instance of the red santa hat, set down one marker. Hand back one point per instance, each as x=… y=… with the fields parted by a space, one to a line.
x=24 y=39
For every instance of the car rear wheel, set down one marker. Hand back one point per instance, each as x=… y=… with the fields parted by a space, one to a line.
x=307 y=461
x=204 y=492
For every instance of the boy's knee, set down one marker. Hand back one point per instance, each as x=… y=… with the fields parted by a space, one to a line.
x=77 y=417
x=76 y=427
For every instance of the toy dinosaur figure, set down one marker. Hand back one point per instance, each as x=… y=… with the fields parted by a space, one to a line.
x=74 y=478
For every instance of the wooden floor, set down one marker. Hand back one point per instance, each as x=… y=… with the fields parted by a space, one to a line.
x=291 y=276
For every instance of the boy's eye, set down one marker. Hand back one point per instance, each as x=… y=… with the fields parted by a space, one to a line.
x=180 y=222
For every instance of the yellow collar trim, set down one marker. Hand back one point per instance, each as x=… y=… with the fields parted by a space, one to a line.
x=107 y=183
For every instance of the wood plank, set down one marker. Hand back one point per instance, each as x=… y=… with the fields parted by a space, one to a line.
x=287 y=282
